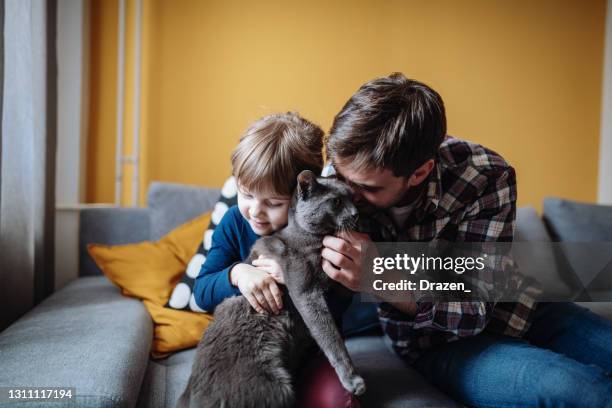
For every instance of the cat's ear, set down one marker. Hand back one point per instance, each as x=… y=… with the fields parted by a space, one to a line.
x=307 y=182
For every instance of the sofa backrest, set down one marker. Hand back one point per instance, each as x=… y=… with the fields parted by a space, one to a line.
x=529 y=226
x=168 y=206
x=110 y=226
x=571 y=221
x=171 y=205
x=586 y=231
x=538 y=260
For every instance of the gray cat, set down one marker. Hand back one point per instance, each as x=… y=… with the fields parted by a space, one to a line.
x=247 y=359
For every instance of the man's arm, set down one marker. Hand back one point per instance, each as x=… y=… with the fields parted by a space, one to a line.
x=408 y=308
x=490 y=218
x=342 y=260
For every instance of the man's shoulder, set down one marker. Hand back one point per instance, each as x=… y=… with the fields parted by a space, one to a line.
x=458 y=154
x=469 y=171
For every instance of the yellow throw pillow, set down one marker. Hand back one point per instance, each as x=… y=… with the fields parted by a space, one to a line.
x=149 y=271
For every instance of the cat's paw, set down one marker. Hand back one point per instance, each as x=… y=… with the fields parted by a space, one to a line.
x=356 y=385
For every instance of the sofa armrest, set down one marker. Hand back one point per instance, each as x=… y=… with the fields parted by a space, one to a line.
x=87 y=336
x=111 y=226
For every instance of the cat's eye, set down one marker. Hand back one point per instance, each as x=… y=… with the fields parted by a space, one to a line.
x=337 y=202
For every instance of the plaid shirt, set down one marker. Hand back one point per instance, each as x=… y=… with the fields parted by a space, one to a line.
x=470 y=197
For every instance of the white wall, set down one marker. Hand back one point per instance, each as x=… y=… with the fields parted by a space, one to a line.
x=72 y=57
x=605 y=149
x=73 y=67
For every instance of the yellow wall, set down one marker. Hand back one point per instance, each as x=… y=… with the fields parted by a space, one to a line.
x=521 y=77
x=103 y=76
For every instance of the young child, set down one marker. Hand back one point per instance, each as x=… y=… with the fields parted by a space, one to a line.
x=266 y=162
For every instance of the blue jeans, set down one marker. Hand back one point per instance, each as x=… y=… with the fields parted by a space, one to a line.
x=565 y=359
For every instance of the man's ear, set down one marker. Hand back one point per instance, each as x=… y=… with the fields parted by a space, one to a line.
x=422 y=172
x=307 y=181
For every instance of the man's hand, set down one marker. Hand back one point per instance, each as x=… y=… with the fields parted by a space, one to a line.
x=258 y=287
x=271 y=266
x=342 y=258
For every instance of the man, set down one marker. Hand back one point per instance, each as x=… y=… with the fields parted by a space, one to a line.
x=418 y=184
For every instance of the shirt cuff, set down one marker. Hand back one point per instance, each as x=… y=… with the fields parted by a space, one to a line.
x=423 y=317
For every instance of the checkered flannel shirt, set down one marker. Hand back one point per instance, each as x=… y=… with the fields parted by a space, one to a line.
x=470 y=197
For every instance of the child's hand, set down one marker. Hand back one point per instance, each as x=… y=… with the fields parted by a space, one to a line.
x=258 y=287
x=271 y=266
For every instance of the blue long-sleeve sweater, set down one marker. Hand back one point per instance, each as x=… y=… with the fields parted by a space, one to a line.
x=231 y=244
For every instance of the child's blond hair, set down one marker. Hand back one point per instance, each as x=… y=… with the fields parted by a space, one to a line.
x=274 y=150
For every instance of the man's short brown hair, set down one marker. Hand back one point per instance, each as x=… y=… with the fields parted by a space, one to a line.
x=274 y=150
x=392 y=122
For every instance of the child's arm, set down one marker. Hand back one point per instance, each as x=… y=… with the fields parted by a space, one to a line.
x=271 y=266
x=212 y=285
x=224 y=275
x=258 y=287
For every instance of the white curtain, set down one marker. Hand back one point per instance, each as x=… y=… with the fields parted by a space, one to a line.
x=27 y=155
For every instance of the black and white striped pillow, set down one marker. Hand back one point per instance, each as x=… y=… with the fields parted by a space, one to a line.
x=182 y=295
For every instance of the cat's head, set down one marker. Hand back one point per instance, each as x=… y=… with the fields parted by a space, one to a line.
x=323 y=205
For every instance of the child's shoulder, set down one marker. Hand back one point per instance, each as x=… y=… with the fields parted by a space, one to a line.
x=234 y=211
x=231 y=223
x=234 y=227
x=232 y=216
x=234 y=221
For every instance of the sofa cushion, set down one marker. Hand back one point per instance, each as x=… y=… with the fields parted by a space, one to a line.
x=227 y=199
x=585 y=253
x=148 y=271
x=111 y=226
x=389 y=380
x=571 y=221
x=166 y=380
x=538 y=258
x=529 y=226
x=74 y=339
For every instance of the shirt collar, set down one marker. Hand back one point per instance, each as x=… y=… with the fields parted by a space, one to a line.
x=430 y=201
x=434 y=189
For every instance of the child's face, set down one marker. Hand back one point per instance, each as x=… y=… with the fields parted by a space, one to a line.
x=265 y=212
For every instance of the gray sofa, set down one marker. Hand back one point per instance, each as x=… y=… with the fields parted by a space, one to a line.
x=88 y=336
